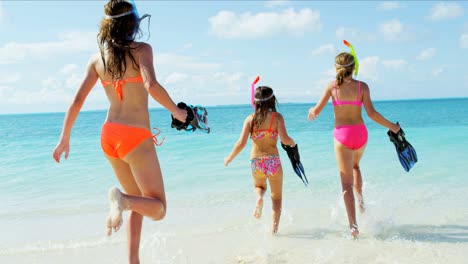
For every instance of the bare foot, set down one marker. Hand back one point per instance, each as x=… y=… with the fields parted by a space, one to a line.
x=258 y=209
x=360 y=201
x=274 y=231
x=354 y=232
x=114 y=220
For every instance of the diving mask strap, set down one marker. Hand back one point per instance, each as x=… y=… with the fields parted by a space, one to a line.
x=119 y=15
x=133 y=11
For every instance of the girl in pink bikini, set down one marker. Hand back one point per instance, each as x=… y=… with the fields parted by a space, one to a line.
x=350 y=134
x=264 y=126
x=125 y=68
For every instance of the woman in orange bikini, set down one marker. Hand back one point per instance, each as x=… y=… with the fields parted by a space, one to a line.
x=125 y=68
x=264 y=127
x=350 y=133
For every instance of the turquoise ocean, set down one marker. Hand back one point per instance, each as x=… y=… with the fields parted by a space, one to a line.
x=55 y=213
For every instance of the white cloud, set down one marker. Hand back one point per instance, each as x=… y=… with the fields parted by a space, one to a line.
x=344 y=32
x=2 y=12
x=330 y=73
x=389 y=5
x=9 y=78
x=426 y=54
x=69 y=69
x=276 y=3
x=442 y=11
x=206 y=87
x=391 y=30
x=394 y=64
x=175 y=61
x=368 y=67
x=67 y=42
x=464 y=41
x=228 y=77
x=175 y=77
x=328 y=48
x=185 y=47
x=437 y=71
x=352 y=33
x=228 y=24
x=50 y=82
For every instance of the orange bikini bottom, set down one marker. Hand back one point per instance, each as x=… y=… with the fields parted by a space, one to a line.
x=117 y=140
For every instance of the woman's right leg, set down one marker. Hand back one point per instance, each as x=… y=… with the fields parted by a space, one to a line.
x=344 y=158
x=135 y=220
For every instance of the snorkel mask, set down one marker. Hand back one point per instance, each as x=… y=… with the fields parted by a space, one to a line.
x=355 y=60
x=134 y=12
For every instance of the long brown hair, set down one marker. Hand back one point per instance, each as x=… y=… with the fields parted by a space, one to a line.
x=116 y=36
x=263 y=107
x=343 y=58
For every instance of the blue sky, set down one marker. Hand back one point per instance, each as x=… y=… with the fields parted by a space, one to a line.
x=208 y=52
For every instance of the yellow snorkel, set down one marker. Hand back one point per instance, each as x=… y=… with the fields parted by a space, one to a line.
x=356 y=62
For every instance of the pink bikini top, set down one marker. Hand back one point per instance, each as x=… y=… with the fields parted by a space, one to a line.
x=119 y=84
x=358 y=102
x=258 y=134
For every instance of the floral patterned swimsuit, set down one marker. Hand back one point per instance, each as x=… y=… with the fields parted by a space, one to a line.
x=267 y=165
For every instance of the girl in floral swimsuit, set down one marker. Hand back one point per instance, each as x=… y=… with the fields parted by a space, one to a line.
x=264 y=126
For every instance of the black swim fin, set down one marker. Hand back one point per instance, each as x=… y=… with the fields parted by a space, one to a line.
x=197 y=118
x=406 y=153
x=294 y=157
x=190 y=116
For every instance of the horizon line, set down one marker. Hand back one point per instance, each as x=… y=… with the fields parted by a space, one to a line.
x=236 y=105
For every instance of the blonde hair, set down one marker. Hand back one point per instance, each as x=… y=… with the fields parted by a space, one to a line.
x=346 y=59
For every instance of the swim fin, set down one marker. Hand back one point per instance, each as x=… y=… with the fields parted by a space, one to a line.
x=294 y=157
x=406 y=153
x=197 y=118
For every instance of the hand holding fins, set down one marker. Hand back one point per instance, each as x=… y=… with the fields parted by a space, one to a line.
x=406 y=153
x=294 y=157
x=197 y=118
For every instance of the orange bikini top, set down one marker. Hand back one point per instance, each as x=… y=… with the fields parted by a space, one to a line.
x=258 y=134
x=119 y=84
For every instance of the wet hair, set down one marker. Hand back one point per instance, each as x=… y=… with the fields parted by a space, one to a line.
x=343 y=58
x=116 y=36
x=263 y=107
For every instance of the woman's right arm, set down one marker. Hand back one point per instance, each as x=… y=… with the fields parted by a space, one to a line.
x=87 y=84
x=315 y=111
x=372 y=113
x=155 y=90
x=240 y=144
